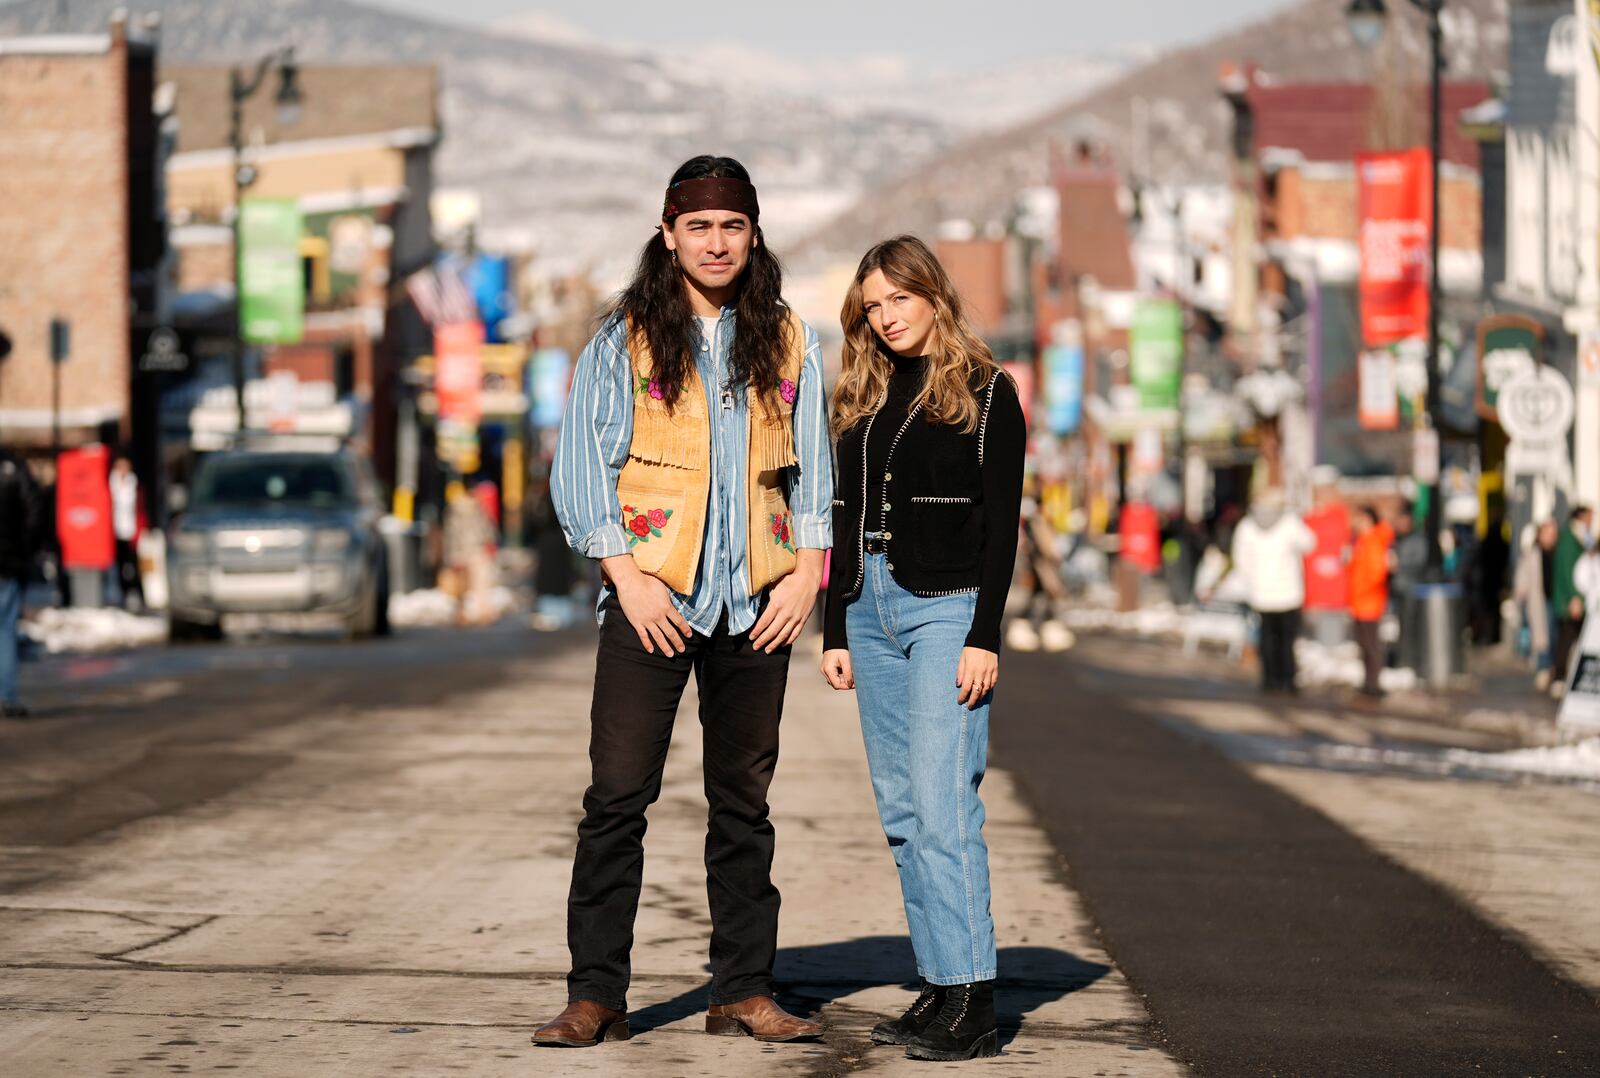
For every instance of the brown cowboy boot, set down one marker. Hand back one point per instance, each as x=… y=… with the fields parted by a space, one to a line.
x=583 y=1023
x=759 y=1017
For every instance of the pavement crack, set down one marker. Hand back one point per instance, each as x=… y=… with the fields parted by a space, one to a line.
x=175 y=934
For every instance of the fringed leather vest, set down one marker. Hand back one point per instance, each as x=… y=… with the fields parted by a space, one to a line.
x=666 y=481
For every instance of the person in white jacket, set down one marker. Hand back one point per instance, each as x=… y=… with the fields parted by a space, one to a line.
x=1269 y=550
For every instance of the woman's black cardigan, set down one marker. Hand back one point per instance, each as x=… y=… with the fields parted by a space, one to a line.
x=951 y=505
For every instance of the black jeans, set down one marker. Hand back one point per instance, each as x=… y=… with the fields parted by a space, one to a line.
x=1279 y=629
x=636 y=698
x=1366 y=633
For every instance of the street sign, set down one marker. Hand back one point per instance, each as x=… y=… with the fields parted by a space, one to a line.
x=60 y=340
x=1425 y=456
x=1580 y=708
x=163 y=353
x=1535 y=408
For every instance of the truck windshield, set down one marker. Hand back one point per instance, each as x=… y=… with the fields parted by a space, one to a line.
x=273 y=481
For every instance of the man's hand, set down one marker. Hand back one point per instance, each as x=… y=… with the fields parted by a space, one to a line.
x=647 y=604
x=836 y=668
x=976 y=674
x=789 y=604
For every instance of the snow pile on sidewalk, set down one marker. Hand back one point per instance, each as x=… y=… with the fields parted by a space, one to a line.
x=430 y=606
x=1321 y=665
x=1160 y=620
x=78 y=629
x=1580 y=760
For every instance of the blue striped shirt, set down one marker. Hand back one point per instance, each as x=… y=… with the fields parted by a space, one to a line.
x=593 y=445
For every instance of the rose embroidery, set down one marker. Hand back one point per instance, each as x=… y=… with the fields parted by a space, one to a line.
x=645 y=524
x=786 y=390
x=781 y=536
x=650 y=386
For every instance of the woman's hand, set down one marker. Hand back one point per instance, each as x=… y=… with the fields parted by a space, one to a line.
x=836 y=668
x=976 y=674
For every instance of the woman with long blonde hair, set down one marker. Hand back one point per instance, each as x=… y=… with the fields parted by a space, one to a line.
x=930 y=448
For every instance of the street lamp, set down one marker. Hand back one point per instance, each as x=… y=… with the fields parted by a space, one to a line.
x=1367 y=19
x=241 y=85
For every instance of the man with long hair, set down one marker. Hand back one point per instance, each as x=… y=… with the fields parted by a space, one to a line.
x=694 y=465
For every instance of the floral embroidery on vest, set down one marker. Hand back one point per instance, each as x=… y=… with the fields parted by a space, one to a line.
x=781 y=535
x=645 y=524
x=649 y=385
x=787 y=390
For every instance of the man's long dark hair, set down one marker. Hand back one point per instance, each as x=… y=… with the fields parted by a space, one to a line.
x=656 y=302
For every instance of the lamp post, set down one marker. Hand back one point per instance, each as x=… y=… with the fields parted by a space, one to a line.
x=1368 y=19
x=241 y=85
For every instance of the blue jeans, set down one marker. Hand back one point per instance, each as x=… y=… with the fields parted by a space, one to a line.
x=927 y=753
x=10 y=611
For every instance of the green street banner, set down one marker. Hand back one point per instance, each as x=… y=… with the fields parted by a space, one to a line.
x=271 y=280
x=1156 y=352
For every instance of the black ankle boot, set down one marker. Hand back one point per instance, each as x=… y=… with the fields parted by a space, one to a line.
x=964 y=1027
x=915 y=1020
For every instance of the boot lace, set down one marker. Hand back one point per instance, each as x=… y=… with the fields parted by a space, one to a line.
x=956 y=1003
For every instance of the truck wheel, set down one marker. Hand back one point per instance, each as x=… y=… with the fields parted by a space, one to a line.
x=183 y=631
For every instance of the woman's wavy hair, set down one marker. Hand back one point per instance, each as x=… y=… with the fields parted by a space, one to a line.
x=958 y=360
x=657 y=304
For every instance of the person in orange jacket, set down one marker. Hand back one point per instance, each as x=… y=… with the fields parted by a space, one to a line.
x=1369 y=591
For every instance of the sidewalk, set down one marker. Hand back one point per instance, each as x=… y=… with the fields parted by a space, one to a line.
x=390 y=898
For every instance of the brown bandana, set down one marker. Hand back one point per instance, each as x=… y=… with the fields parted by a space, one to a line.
x=688 y=196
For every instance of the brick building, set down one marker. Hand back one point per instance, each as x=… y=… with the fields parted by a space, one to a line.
x=1296 y=248
x=82 y=235
x=359 y=161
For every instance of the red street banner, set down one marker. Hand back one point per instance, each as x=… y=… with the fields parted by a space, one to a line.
x=1396 y=204
x=83 y=508
x=458 y=370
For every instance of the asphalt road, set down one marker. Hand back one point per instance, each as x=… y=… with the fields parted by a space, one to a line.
x=119 y=738
x=1264 y=938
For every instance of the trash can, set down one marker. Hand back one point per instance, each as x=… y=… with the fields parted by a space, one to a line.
x=1436 y=616
x=402 y=541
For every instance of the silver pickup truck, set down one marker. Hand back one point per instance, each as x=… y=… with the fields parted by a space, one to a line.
x=278 y=532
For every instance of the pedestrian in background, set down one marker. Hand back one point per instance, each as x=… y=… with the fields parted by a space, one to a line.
x=468 y=538
x=1531 y=588
x=1369 y=592
x=1486 y=579
x=1564 y=595
x=1410 y=565
x=931 y=446
x=1586 y=578
x=126 y=524
x=1269 y=549
x=20 y=507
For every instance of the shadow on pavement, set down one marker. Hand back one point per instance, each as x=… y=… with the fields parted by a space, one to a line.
x=810 y=978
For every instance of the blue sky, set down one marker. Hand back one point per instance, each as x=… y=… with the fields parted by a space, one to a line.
x=947 y=34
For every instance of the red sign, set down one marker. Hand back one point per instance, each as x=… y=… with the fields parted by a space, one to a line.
x=83 y=508
x=1141 y=537
x=1396 y=206
x=1327 y=586
x=1022 y=375
x=458 y=370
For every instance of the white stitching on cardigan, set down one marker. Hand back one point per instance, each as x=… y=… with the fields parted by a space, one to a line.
x=983 y=427
x=923 y=500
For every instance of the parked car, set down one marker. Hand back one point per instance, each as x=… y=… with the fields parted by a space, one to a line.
x=278 y=532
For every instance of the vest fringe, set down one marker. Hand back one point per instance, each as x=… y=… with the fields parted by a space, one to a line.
x=676 y=440
x=771 y=443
